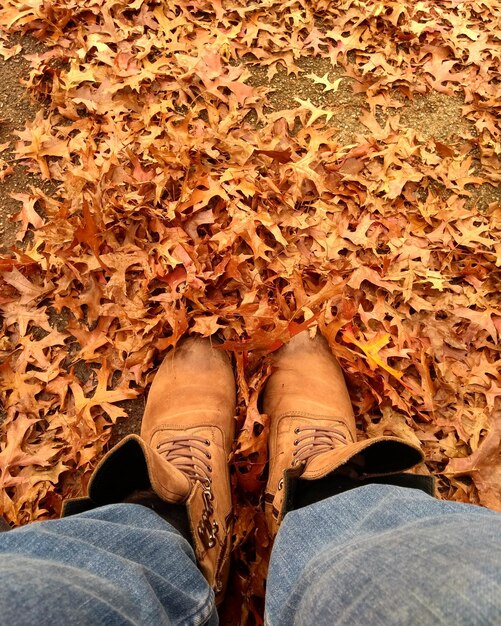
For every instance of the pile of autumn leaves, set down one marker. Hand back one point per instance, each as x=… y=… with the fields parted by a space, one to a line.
x=186 y=205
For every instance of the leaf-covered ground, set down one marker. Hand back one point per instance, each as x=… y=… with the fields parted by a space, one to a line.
x=251 y=169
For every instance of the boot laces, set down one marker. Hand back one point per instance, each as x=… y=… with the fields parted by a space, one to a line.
x=190 y=455
x=315 y=440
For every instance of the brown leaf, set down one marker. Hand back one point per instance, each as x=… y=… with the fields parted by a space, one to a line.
x=282 y=156
x=27 y=216
x=483 y=466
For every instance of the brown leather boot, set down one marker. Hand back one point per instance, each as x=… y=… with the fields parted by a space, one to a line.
x=182 y=455
x=312 y=431
x=189 y=421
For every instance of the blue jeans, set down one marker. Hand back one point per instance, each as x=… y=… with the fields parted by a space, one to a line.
x=378 y=554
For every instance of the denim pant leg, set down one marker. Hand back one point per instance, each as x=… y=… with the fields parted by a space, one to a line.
x=118 y=564
x=386 y=555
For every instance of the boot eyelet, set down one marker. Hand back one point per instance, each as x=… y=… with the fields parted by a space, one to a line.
x=208 y=455
x=209 y=467
x=280 y=484
x=296 y=442
x=207 y=442
x=297 y=431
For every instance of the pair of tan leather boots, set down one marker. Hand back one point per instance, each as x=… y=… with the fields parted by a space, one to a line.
x=188 y=430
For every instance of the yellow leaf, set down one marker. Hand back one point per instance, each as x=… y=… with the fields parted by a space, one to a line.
x=371 y=350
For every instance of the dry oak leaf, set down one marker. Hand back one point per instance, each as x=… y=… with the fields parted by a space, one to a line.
x=439 y=71
x=252 y=448
x=324 y=80
x=483 y=466
x=206 y=325
x=371 y=350
x=395 y=424
x=37 y=142
x=24 y=316
x=39 y=352
x=7 y=53
x=89 y=232
x=27 y=215
x=12 y=454
x=102 y=398
x=316 y=112
x=29 y=292
x=481 y=319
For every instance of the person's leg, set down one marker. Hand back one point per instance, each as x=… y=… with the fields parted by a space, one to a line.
x=117 y=564
x=382 y=554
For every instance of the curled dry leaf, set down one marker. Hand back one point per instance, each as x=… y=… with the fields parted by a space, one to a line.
x=483 y=466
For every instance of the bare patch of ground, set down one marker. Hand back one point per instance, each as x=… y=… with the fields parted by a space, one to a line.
x=436 y=115
x=16 y=108
x=286 y=88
